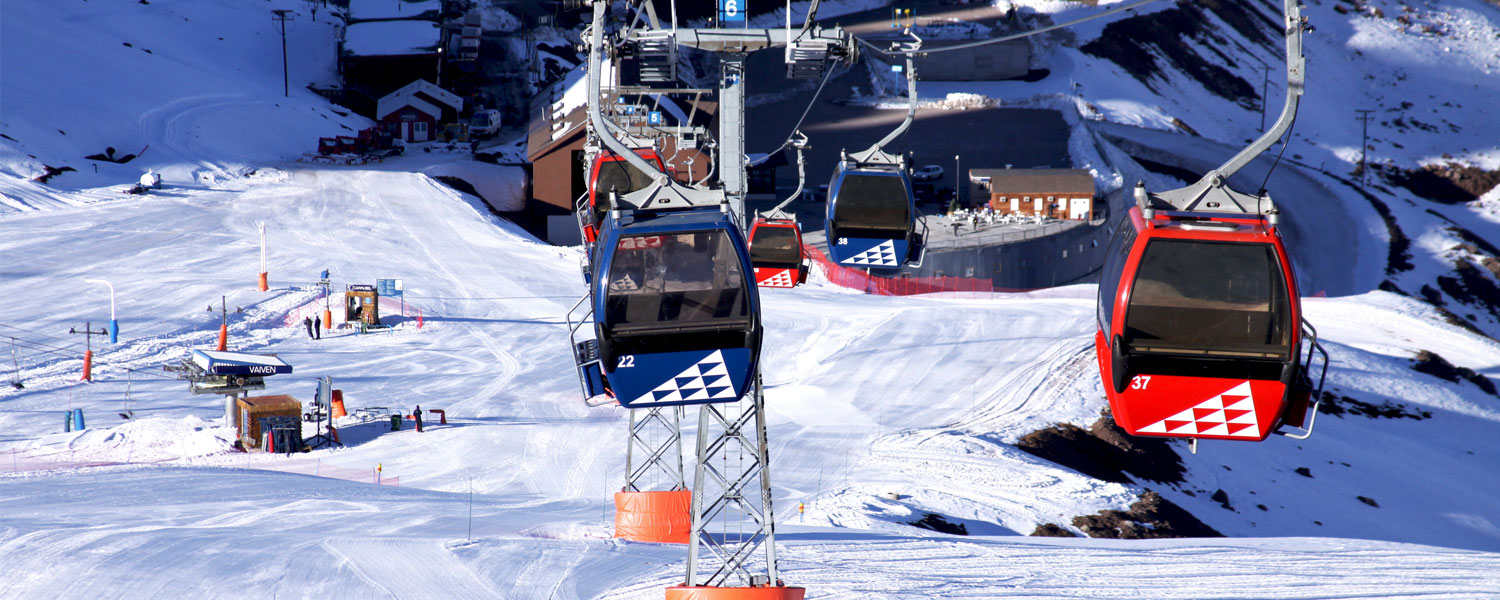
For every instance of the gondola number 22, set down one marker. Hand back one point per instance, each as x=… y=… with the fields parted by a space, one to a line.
x=627 y=360
x=1139 y=382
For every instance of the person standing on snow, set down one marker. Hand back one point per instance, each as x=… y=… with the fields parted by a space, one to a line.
x=417 y=415
x=317 y=328
x=307 y=321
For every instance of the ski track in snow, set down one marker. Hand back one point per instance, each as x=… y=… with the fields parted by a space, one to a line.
x=405 y=568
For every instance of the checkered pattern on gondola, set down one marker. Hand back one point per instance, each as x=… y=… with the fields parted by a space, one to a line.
x=883 y=255
x=782 y=279
x=1231 y=413
x=708 y=380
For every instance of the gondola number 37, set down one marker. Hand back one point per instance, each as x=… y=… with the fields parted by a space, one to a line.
x=1139 y=382
x=627 y=360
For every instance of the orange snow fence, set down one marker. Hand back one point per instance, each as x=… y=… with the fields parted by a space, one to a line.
x=681 y=592
x=665 y=517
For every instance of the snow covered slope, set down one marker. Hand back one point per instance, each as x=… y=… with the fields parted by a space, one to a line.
x=194 y=87
x=868 y=396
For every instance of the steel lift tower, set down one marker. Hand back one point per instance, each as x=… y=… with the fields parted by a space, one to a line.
x=711 y=359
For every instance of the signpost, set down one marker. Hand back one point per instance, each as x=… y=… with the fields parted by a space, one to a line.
x=391 y=287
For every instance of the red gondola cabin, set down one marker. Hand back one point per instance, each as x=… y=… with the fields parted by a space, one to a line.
x=1200 y=328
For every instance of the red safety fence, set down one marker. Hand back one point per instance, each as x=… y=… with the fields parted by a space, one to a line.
x=898 y=286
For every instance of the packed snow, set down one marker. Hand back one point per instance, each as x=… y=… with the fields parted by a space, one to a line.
x=880 y=409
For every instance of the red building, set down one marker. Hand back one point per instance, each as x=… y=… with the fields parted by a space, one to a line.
x=417 y=111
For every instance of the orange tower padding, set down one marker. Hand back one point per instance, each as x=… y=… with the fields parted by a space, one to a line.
x=327 y=319
x=665 y=517
x=88 y=371
x=338 y=404
x=264 y=285
x=223 y=337
x=681 y=592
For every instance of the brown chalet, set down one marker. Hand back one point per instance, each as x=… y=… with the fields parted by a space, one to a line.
x=1055 y=193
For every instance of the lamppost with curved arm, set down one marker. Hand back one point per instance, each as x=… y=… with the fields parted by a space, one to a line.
x=114 y=325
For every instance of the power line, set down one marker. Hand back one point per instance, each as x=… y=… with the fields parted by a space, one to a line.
x=61 y=339
x=1024 y=34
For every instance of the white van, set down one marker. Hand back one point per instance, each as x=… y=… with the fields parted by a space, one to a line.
x=484 y=123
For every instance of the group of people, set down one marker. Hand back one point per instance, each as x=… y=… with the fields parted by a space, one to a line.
x=985 y=215
x=314 y=326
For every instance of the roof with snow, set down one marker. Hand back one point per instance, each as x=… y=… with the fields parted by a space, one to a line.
x=215 y=362
x=1030 y=181
x=377 y=10
x=422 y=95
x=392 y=38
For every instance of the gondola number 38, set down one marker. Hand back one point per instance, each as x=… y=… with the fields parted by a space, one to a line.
x=843 y=241
x=627 y=360
x=1139 y=382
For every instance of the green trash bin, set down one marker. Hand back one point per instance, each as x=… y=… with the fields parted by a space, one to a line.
x=395 y=422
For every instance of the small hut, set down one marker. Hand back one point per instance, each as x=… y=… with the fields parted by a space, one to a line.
x=254 y=410
x=362 y=304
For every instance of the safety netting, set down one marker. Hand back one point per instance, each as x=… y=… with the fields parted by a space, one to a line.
x=897 y=286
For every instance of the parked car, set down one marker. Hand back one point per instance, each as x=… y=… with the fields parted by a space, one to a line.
x=484 y=123
x=928 y=172
x=818 y=195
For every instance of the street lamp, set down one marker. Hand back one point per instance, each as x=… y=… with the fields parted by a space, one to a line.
x=114 y=325
x=957 y=187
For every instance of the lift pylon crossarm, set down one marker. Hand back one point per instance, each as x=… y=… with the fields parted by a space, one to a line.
x=1200 y=195
x=745 y=41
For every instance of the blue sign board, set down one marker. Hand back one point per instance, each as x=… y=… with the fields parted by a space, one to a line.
x=388 y=287
x=630 y=110
x=654 y=117
x=732 y=11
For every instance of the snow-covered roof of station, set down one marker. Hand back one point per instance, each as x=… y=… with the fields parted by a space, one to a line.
x=392 y=38
x=374 y=10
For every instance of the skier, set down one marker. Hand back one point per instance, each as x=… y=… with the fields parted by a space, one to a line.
x=308 y=322
x=417 y=415
x=318 y=328
x=150 y=179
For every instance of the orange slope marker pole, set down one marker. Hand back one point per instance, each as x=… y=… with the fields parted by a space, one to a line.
x=264 y=285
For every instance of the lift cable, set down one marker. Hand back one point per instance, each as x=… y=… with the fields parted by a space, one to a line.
x=828 y=74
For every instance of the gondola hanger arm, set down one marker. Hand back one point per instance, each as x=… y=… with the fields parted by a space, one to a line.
x=1201 y=194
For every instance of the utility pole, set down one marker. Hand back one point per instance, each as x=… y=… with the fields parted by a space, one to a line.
x=1364 y=142
x=1265 y=88
x=88 y=356
x=282 y=16
x=224 y=322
